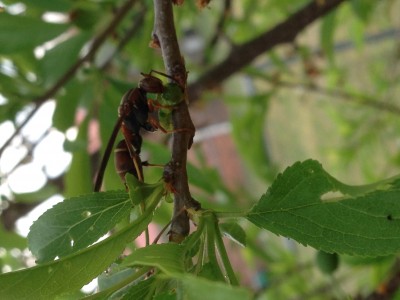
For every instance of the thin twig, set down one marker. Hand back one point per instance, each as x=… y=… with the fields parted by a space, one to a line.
x=69 y=74
x=164 y=35
x=338 y=94
x=220 y=24
x=30 y=148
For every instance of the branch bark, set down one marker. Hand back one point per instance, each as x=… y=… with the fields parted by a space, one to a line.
x=164 y=35
x=244 y=54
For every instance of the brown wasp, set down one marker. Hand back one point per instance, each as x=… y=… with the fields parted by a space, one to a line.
x=134 y=114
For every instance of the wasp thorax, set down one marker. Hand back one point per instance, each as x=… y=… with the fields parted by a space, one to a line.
x=151 y=84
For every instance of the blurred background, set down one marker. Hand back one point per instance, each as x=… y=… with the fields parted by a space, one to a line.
x=331 y=95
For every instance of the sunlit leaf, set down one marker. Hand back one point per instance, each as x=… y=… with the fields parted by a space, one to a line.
x=307 y=204
x=76 y=223
x=71 y=272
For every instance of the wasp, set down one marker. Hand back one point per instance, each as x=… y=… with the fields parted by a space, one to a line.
x=134 y=114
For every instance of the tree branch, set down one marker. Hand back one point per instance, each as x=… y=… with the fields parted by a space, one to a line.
x=164 y=35
x=244 y=54
x=70 y=73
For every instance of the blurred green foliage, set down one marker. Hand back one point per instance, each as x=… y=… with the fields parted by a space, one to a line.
x=329 y=96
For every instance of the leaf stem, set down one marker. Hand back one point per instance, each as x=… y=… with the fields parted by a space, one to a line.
x=146 y=232
x=191 y=240
x=200 y=259
x=224 y=256
x=211 y=253
x=230 y=214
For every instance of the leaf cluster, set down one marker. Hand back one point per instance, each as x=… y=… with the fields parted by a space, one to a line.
x=304 y=203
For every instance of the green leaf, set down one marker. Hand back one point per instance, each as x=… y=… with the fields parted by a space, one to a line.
x=327 y=32
x=164 y=296
x=140 y=290
x=211 y=271
x=76 y=223
x=139 y=191
x=67 y=104
x=86 y=14
x=72 y=272
x=307 y=204
x=19 y=33
x=45 y=5
x=110 y=278
x=169 y=258
x=363 y=8
x=196 y=288
x=235 y=232
x=10 y=240
x=60 y=58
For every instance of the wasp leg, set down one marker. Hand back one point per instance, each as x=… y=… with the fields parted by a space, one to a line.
x=134 y=143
